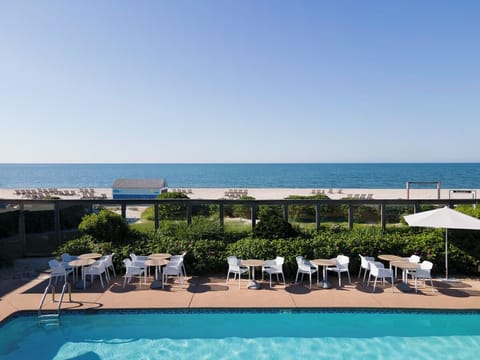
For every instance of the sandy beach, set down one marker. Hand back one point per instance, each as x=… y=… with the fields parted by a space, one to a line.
x=257 y=193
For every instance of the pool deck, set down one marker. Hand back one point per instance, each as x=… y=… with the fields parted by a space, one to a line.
x=24 y=292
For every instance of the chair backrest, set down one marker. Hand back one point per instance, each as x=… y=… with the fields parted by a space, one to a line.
x=279 y=260
x=363 y=262
x=426 y=265
x=127 y=262
x=414 y=259
x=232 y=260
x=300 y=260
x=54 y=263
x=66 y=257
x=342 y=261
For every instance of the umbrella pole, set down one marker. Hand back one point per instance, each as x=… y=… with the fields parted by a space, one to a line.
x=446 y=254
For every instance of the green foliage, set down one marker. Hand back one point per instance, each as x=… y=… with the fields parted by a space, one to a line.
x=208 y=246
x=272 y=225
x=82 y=245
x=242 y=211
x=469 y=210
x=306 y=213
x=169 y=211
x=105 y=226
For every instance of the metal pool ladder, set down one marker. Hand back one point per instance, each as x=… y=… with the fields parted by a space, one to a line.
x=49 y=319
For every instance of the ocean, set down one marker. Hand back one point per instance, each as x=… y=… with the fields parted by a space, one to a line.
x=343 y=175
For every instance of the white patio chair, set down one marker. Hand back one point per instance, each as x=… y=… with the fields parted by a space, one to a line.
x=422 y=272
x=364 y=265
x=182 y=256
x=97 y=268
x=377 y=270
x=174 y=268
x=109 y=264
x=131 y=271
x=235 y=268
x=139 y=260
x=274 y=267
x=341 y=267
x=305 y=267
x=58 y=269
x=413 y=259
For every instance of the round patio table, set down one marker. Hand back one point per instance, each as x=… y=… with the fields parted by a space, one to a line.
x=252 y=263
x=81 y=262
x=325 y=284
x=390 y=258
x=90 y=256
x=160 y=256
x=158 y=263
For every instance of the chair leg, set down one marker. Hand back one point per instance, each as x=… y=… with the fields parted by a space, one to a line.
x=359 y=273
x=270 y=281
x=375 y=284
x=364 y=275
x=349 y=280
x=310 y=281
x=339 y=279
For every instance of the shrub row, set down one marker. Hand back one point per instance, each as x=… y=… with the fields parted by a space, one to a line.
x=208 y=246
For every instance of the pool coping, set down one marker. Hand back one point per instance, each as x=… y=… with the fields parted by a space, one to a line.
x=215 y=294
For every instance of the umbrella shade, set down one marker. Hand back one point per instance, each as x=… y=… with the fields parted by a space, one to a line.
x=443 y=218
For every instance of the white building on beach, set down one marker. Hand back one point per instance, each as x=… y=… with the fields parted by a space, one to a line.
x=138 y=188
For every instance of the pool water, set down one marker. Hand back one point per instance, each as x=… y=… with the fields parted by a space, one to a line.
x=276 y=334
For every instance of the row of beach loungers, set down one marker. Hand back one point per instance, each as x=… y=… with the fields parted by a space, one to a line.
x=182 y=191
x=235 y=193
x=323 y=191
x=44 y=193
x=339 y=191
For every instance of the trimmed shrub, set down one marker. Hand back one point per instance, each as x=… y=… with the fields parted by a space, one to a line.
x=272 y=225
x=105 y=226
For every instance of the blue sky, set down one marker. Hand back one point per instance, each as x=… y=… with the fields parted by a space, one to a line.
x=239 y=81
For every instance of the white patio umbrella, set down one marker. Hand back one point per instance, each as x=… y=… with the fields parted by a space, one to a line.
x=443 y=218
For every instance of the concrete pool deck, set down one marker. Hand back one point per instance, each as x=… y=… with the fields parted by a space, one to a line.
x=23 y=292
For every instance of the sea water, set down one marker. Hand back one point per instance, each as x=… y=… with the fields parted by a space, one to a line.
x=373 y=176
x=275 y=334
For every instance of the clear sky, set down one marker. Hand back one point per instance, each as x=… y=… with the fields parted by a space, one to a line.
x=239 y=81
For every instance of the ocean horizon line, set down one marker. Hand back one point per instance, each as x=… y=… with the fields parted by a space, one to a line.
x=245 y=163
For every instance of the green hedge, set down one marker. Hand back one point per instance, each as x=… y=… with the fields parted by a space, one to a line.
x=208 y=246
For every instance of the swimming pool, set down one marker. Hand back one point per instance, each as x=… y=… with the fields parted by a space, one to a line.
x=245 y=334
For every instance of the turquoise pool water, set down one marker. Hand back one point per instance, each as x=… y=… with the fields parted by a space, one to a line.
x=246 y=335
